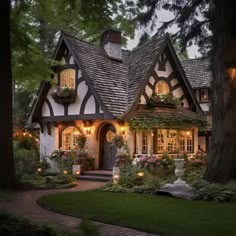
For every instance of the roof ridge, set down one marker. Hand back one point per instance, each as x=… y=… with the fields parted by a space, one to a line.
x=81 y=40
x=165 y=36
x=191 y=59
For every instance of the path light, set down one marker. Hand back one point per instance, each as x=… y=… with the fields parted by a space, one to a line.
x=39 y=170
x=77 y=173
x=65 y=172
x=116 y=174
x=140 y=174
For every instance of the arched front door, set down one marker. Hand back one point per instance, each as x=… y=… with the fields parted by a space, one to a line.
x=107 y=150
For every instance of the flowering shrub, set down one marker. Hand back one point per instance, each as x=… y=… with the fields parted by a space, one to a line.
x=199 y=159
x=149 y=161
x=183 y=155
x=64 y=159
x=166 y=161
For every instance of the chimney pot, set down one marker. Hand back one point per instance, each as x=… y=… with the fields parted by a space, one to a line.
x=111 y=42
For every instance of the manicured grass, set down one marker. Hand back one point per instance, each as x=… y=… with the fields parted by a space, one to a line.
x=157 y=214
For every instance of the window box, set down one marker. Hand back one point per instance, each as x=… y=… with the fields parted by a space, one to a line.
x=163 y=100
x=64 y=95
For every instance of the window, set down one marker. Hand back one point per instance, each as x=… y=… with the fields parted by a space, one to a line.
x=160 y=141
x=135 y=142
x=162 y=87
x=204 y=95
x=170 y=140
x=67 y=78
x=144 y=143
x=69 y=138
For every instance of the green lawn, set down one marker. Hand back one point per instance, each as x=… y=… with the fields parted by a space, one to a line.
x=156 y=214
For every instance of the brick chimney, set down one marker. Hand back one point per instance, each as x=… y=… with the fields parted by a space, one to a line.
x=111 y=42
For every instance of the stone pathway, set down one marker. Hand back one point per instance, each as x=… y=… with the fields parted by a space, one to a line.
x=23 y=203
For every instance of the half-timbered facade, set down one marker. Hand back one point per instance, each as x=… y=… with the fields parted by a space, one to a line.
x=110 y=90
x=199 y=75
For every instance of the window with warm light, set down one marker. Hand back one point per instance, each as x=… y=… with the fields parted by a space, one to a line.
x=204 y=95
x=169 y=140
x=69 y=138
x=67 y=78
x=162 y=87
x=144 y=142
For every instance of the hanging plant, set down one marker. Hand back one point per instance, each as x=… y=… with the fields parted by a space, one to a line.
x=81 y=141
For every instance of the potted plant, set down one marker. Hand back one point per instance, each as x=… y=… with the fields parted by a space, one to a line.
x=83 y=158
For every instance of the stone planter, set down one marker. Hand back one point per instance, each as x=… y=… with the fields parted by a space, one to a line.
x=122 y=161
x=179 y=172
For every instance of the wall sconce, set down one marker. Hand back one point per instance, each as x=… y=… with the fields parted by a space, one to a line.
x=187 y=133
x=123 y=130
x=87 y=130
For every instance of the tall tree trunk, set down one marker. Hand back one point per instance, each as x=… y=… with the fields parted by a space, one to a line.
x=222 y=154
x=7 y=176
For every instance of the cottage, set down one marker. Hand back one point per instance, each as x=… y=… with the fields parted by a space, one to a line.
x=102 y=90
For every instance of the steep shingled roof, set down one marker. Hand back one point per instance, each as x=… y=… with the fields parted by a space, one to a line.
x=140 y=62
x=116 y=83
x=198 y=72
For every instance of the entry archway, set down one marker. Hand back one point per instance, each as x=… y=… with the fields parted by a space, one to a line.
x=107 y=150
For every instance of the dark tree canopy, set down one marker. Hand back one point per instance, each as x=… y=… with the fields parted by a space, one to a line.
x=7 y=177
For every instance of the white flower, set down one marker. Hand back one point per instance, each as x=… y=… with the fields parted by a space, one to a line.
x=135 y=161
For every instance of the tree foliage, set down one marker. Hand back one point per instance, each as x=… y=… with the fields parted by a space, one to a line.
x=36 y=25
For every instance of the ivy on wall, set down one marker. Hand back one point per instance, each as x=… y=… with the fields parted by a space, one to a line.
x=167 y=118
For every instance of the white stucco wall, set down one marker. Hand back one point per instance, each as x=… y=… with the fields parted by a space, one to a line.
x=58 y=109
x=71 y=60
x=204 y=106
x=142 y=100
x=74 y=108
x=90 y=107
x=48 y=143
x=178 y=92
x=45 y=110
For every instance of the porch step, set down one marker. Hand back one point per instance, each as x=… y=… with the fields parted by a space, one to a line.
x=96 y=175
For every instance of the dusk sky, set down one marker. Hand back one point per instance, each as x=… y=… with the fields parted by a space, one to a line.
x=163 y=15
